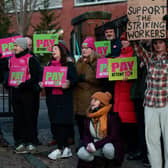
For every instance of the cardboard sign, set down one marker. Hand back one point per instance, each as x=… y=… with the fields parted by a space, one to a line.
x=103 y=48
x=146 y=19
x=6 y=46
x=42 y=43
x=54 y=76
x=17 y=75
x=102 y=68
x=119 y=68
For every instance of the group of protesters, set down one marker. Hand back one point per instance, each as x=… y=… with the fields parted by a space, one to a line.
x=113 y=117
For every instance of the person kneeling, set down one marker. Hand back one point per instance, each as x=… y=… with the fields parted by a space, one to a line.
x=102 y=132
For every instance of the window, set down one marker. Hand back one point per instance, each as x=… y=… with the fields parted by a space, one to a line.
x=90 y=2
x=40 y=4
x=48 y=4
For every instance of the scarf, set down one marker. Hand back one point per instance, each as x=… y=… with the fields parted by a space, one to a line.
x=100 y=117
x=56 y=91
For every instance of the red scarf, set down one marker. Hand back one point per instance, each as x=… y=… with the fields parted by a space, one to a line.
x=56 y=91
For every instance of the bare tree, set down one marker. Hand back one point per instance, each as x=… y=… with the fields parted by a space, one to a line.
x=23 y=10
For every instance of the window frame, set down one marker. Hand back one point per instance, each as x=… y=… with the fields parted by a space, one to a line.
x=38 y=8
x=96 y=2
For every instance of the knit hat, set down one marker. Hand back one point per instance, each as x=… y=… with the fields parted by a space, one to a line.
x=108 y=26
x=89 y=42
x=124 y=36
x=63 y=44
x=22 y=42
x=103 y=97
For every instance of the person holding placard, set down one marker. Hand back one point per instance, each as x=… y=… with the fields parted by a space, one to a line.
x=60 y=104
x=37 y=95
x=87 y=82
x=23 y=78
x=110 y=34
x=123 y=103
x=155 y=101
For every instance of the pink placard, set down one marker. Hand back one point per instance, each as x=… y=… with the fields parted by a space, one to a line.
x=54 y=76
x=17 y=75
x=6 y=46
x=102 y=68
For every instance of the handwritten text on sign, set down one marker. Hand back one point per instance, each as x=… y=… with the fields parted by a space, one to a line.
x=6 y=46
x=43 y=42
x=54 y=76
x=146 y=19
x=122 y=67
x=17 y=75
x=102 y=68
x=103 y=48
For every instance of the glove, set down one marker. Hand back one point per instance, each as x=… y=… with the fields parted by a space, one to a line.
x=90 y=147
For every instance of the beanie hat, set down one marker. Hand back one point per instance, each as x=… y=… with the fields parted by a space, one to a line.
x=103 y=97
x=124 y=36
x=22 y=42
x=63 y=44
x=108 y=26
x=89 y=42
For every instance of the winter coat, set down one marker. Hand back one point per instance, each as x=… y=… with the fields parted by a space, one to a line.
x=60 y=107
x=115 y=49
x=113 y=136
x=122 y=98
x=86 y=86
x=34 y=71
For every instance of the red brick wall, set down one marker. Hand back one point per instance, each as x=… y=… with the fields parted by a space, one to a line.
x=69 y=11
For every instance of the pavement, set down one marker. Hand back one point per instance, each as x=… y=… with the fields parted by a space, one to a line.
x=9 y=159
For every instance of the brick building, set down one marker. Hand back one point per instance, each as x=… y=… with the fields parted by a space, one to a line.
x=82 y=16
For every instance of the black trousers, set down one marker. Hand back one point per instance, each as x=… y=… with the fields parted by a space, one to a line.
x=62 y=133
x=25 y=116
x=139 y=110
x=80 y=123
x=129 y=135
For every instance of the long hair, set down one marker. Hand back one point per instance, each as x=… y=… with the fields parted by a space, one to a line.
x=63 y=54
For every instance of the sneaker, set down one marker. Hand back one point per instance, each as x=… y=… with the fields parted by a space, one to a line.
x=31 y=148
x=56 y=154
x=53 y=142
x=21 y=149
x=66 y=153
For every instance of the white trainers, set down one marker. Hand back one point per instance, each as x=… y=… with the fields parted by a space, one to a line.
x=66 y=153
x=31 y=148
x=56 y=154
x=21 y=149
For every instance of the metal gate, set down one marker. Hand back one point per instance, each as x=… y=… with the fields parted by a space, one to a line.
x=5 y=102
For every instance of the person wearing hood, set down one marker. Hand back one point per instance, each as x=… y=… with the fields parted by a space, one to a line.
x=101 y=133
x=23 y=100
